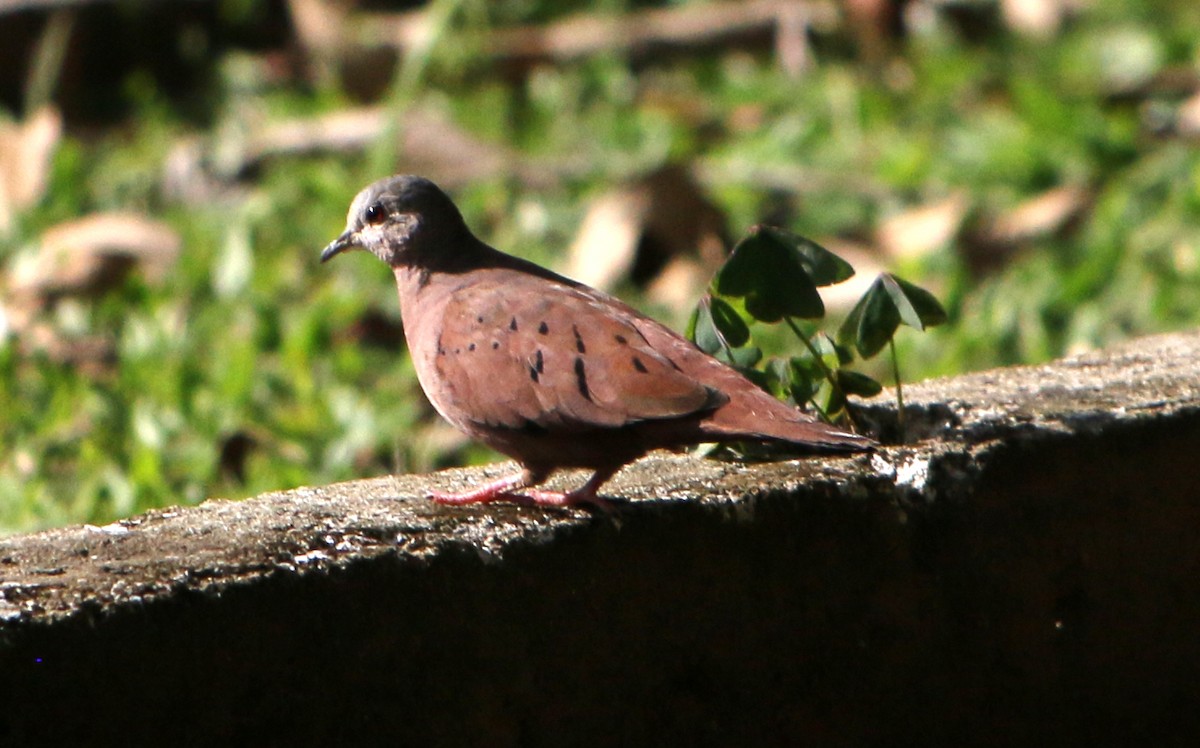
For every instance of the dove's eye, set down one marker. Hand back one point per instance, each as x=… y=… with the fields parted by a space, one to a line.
x=375 y=214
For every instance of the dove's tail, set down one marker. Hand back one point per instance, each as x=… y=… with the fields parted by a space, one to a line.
x=776 y=421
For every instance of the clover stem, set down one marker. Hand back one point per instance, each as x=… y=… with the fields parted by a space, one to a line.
x=899 y=389
x=825 y=371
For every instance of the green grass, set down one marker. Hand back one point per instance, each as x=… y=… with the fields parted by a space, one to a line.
x=250 y=335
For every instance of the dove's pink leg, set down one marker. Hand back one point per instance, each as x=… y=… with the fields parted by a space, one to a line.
x=504 y=488
x=510 y=488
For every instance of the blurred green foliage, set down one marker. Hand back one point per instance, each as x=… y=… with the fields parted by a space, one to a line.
x=245 y=349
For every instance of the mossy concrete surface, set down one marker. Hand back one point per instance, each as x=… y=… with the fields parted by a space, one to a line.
x=1024 y=569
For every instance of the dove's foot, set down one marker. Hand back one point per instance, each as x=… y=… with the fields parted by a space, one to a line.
x=585 y=494
x=558 y=498
x=505 y=488
x=511 y=489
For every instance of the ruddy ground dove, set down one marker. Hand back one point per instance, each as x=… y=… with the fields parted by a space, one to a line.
x=546 y=370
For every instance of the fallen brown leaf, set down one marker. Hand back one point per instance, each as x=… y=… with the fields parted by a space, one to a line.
x=920 y=231
x=430 y=143
x=679 y=282
x=25 y=153
x=868 y=262
x=89 y=255
x=637 y=230
x=1039 y=216
x=993 y=242
x=637 y=34
x=1187 y=118
x=1036 y=18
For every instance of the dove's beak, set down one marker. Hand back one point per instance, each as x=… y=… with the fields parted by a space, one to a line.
x=344 y=242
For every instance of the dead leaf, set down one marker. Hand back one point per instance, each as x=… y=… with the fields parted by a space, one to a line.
x=678 y=284
x=1040 y=216
x=868 y=262
x=25 y=154
x=1187 y=118
x=318 y=24
x=89 y=255
x=1040 y=18
x=792 y=48
x=923 y=230
x=1037 y=18
x=607 y=240
x=636 y=231
x=994 y=242
x=430 y=143
x=651 y=31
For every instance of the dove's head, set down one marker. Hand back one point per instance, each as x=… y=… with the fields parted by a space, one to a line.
x=402 y=220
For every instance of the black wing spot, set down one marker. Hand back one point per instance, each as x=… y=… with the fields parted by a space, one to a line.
x=495 y=344
x=479 y=319
x=581 y=379
x=637 y=364
x=621 y=339
x=578 y=340
x=543 y=328
x=537 y=367
x=471 y=347
x=512 y=324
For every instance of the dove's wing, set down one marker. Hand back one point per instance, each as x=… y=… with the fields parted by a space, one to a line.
x=514 y=350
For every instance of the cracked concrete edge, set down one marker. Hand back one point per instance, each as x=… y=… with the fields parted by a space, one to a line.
x=92 y=571
x=1152 y=377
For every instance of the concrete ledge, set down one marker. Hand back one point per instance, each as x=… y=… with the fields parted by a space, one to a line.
x=1029 y=570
